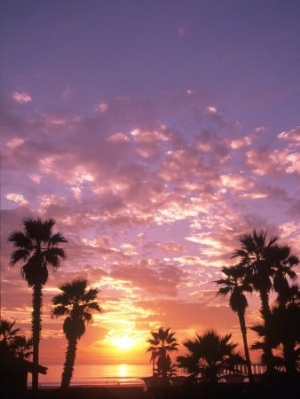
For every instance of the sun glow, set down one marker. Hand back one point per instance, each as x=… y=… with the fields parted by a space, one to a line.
x=123 y=342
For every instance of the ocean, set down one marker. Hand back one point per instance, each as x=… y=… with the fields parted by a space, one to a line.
x=97 y=374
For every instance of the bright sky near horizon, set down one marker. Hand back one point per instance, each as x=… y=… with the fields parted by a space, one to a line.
x=155 y=133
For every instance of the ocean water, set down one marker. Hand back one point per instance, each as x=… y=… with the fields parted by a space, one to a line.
x=97 y=374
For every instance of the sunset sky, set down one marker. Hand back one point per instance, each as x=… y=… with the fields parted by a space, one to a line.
x=155 y=133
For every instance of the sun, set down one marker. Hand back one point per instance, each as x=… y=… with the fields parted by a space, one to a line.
x=123 y=342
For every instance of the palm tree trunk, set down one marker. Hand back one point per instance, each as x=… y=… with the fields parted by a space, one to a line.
x=37 y=301
x=241 y=316
x=289 y=358
x=266 y=314
x=69 y=364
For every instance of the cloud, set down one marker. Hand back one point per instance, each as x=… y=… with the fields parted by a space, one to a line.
x=17 y=199
x=242 y=142
x=156 y=277
x=292 y=135
x=293 y=161
x=101 y=107
x=15 y=142
x=211 y=110
x=266 y=162
x=21 y=97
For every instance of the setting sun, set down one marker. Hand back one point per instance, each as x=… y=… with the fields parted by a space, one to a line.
x=123 y=342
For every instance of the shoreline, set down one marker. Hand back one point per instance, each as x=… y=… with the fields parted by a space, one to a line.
x=92 y=392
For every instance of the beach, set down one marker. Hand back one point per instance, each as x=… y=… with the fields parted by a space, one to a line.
x=220 y=391
x=99 y=392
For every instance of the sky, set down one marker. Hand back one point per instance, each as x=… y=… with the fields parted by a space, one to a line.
x=155 y=133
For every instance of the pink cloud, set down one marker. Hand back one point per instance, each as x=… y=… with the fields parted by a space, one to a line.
x=292 y=135
x=21 y=97
x=161 y=280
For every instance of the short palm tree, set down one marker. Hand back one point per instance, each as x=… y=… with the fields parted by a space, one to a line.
x=77 y=302
x=284 y=263
x=37 y=247
x=287 y=327
x=235 y=285
x=209 y=356
x=284 y=331
x=22 y=347
x=162 y=343
x=18 y=345
x=7 y=331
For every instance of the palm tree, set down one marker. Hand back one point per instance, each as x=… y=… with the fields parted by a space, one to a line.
x=37 y=248
x=284 y=331
x=284 y=262
x=21 y=347
x=7 y=331
x=266 y=266
x=257 y=257
x=235 y=284
x=286 y=322
x=161 y=343
x=18 y=345
x=77 y=303
x=209 y=355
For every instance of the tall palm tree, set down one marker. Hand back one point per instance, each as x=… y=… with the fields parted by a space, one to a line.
x=209 y=355
x=37 y=247
x=257 y=255
x=266 y=266
x=77 y=302
x=162 y=343
x=235 y=285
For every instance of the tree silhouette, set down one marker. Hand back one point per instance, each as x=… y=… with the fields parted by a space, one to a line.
x=209 y=355
x=235 y=285
x=161 y=343
x=284 y=332
x=77 y=303
x=7 y=331
x=284 y=263
x=266 y=266
x=18 y=345
x=22 y=347
x=37 y=247
x=257 y=257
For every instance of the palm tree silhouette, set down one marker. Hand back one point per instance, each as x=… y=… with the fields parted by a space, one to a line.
x=284 y=263
x=235 y=285
x=7 y=331
x=161 y=343
x=37 y=247
x=266 y=265
x=209 y=355
x=77 y=303
x=22 y=347
x=284 y=331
